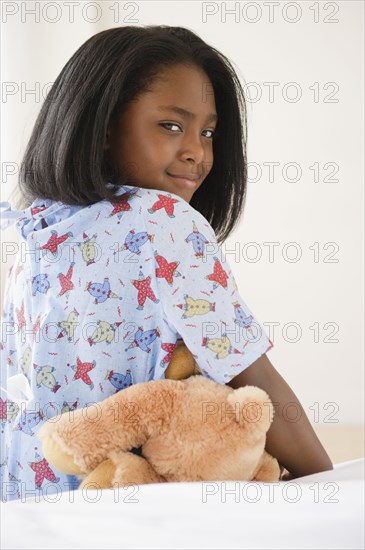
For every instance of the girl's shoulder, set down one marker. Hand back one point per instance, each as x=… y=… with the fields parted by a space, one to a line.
x=168 y=210
x=168 y=220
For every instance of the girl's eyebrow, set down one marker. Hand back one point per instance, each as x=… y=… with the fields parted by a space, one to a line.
x=184 y=112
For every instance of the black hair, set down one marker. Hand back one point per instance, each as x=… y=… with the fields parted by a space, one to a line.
x=65 y=159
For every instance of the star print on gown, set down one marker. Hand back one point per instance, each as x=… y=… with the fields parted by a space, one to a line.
x=35 y=328
x=20 y=316
x=65 y=281
x=166 y=270
x=124 y=205
x=166 y=203
x=81 y=371
x=144 y=290
x=4 y=409
x=42 y=471
x=219 y=276
x=54 y=242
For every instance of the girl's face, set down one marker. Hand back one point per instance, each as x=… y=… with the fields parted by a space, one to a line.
x=166 y=135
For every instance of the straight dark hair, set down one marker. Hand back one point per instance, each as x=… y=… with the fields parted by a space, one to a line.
x=65 y=159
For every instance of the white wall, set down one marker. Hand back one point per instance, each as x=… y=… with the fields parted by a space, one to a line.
x=321 y=294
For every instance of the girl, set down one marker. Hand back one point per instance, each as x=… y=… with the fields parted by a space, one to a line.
x=134 y=174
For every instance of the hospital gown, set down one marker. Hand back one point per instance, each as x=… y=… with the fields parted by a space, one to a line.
x=96 y=300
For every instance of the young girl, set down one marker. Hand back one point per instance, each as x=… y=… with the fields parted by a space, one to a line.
x=134 y=174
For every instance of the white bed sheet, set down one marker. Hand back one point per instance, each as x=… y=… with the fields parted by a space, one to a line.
x=321 y=511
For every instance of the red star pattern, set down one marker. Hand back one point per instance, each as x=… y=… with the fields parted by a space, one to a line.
x=165 y=270
x=42 y=471
x=82 y=371
x=122 y=206
x=36 y=210
x=65 y=280
x=54 y=241
x=144 y=290
x=36 y=327
x=3 y=409
x=20 y=316
x=219 y=275
x=170 y=350
x=165 y=202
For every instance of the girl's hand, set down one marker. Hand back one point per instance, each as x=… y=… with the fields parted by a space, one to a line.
x=293 y=443
x=286 y=476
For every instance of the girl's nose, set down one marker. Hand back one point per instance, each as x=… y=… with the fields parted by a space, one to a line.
x=193 y=148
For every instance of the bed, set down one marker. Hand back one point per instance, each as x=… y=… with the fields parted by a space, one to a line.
x=319 y=511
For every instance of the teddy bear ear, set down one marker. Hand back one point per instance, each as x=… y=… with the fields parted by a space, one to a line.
x=252 y=406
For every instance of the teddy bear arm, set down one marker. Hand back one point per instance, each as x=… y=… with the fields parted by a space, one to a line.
x=133 y=469
x=68 y=445
x=268 y=469
x=123 y=421
x=56 y=456
x=120 y=470
x=100 y=478
x=182 y=364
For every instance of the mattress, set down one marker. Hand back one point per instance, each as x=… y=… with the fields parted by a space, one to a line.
x=324 y=510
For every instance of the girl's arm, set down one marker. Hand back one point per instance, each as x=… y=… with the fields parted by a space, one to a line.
x=294 y=444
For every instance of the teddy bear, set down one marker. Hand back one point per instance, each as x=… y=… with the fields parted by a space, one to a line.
x=189 y=427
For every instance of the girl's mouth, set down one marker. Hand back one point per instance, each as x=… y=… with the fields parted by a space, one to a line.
x=184 y=180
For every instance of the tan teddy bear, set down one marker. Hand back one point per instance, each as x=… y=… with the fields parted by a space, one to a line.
x=192 y=429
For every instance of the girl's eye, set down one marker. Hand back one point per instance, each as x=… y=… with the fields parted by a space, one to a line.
x=169 y=124
x=213 y=132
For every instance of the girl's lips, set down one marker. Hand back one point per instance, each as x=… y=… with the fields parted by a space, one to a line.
x=184 y=181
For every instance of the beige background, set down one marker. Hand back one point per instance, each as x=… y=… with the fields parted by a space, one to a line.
x=320 y=294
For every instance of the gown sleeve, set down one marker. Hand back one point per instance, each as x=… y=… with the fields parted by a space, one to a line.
x=200 y=298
